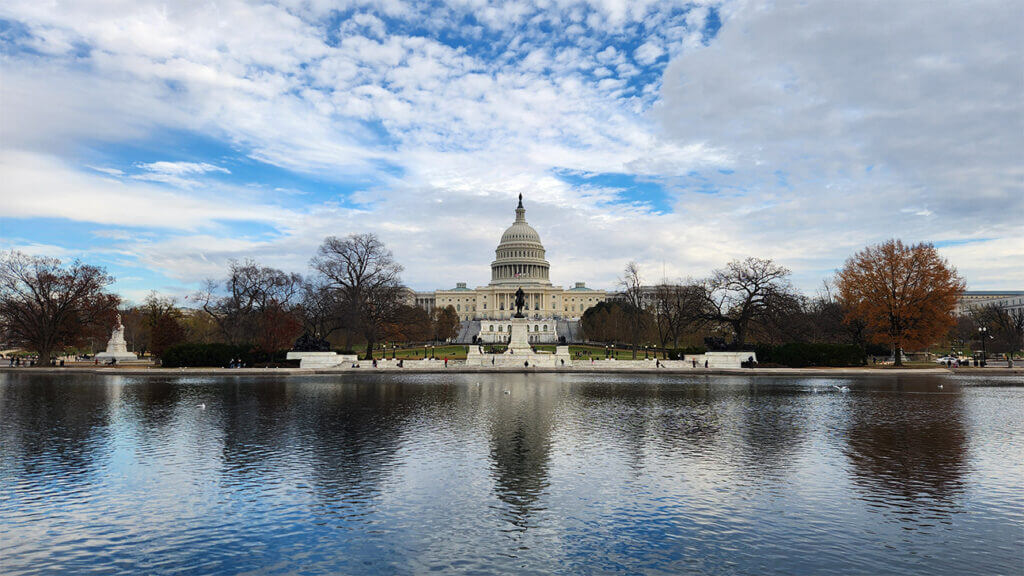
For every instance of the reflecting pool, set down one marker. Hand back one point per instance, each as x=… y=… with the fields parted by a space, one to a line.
x=511 y=473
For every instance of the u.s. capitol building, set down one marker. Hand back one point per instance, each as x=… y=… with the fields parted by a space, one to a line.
x=518 y=263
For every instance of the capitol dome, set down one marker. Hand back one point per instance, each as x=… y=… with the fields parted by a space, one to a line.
x=519 y=258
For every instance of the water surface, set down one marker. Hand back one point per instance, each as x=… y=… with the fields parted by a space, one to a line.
x=362 y=474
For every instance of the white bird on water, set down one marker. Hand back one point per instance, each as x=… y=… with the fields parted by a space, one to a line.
x=507 y=392
x=841 y=388
x=202 y=406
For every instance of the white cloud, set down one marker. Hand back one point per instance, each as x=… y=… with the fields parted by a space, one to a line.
x=649 y=51
x=800 y=132
x=182 y=168
x=842 y=132
x=37 y=186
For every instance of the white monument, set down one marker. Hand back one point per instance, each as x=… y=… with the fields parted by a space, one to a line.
x=117 y=349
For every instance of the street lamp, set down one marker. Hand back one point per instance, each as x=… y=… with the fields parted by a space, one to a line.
x=984 y=334
x=606 y=355
x=646 y=348
x=425 y=351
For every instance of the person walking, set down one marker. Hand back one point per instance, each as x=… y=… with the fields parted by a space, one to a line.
x=445 y=361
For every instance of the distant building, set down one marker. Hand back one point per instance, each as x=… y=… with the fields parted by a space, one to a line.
x=1008 y=299
x=519 y=263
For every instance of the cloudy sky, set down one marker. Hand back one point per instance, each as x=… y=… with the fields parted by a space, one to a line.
x=161 y=139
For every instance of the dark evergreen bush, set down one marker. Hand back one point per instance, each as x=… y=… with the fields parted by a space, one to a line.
x=682 y=353
x=207 y=355
x=806 y=354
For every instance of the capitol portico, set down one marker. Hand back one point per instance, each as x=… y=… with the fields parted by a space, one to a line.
x=519 y=262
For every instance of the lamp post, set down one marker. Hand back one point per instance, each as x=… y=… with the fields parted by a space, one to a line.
x=984 y=335
x=425 y=351
x=645 y=351
x=606 y=355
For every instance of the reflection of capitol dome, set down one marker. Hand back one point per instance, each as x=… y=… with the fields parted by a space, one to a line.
x=519 y=258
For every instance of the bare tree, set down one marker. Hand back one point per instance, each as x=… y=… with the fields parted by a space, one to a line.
x=367 y=282
x=46 y=306
x=322 y=313
x=676 y=308
x=1005 y=326
x=253 y=296
x=633 y=296
x=746 y=291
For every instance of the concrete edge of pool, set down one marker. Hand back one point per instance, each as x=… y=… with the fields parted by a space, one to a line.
x=458 y=369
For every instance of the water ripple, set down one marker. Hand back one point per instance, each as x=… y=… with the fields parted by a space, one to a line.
x=565 y=474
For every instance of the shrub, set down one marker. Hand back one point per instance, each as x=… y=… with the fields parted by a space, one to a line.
x=219 y=355
x=682 y=353
x=804 y=354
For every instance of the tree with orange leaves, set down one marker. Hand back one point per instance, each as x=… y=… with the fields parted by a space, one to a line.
x=905 y=295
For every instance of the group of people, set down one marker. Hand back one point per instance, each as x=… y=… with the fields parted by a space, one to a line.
x=236 y=363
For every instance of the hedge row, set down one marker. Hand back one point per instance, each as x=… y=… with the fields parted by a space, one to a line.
x=217 y=355
x=682 y=353
x=804 y=354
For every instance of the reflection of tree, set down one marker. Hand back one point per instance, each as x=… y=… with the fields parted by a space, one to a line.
x=153 y=402
x=352 y=432
x=773 y=426
x=909 y=446
x=667 y=419
x=520 y=446
x=52 y=427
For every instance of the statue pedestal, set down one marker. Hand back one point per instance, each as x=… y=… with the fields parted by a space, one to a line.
x=321 y=359
x=519 y=340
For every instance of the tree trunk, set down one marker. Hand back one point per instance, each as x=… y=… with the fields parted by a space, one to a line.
x=369 y=349
x=44 y=357
x=740 y=330
x=897 y=355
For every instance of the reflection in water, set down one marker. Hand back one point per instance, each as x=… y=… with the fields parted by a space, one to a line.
x=584 y=473
x=909 y=445
x=47 y=427
x=520 y=441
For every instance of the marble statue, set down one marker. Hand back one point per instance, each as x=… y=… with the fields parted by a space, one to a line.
x=117 y=348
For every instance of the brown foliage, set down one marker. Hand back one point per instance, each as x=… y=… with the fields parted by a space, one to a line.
x=905 y=295
x=166 y=332
x=46 y=306
x=411 y=324
x=278 y=329
x=446 y=323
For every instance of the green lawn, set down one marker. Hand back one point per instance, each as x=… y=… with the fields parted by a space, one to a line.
x=416 y=353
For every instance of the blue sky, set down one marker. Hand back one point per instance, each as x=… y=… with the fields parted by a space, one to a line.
x=163 y=140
